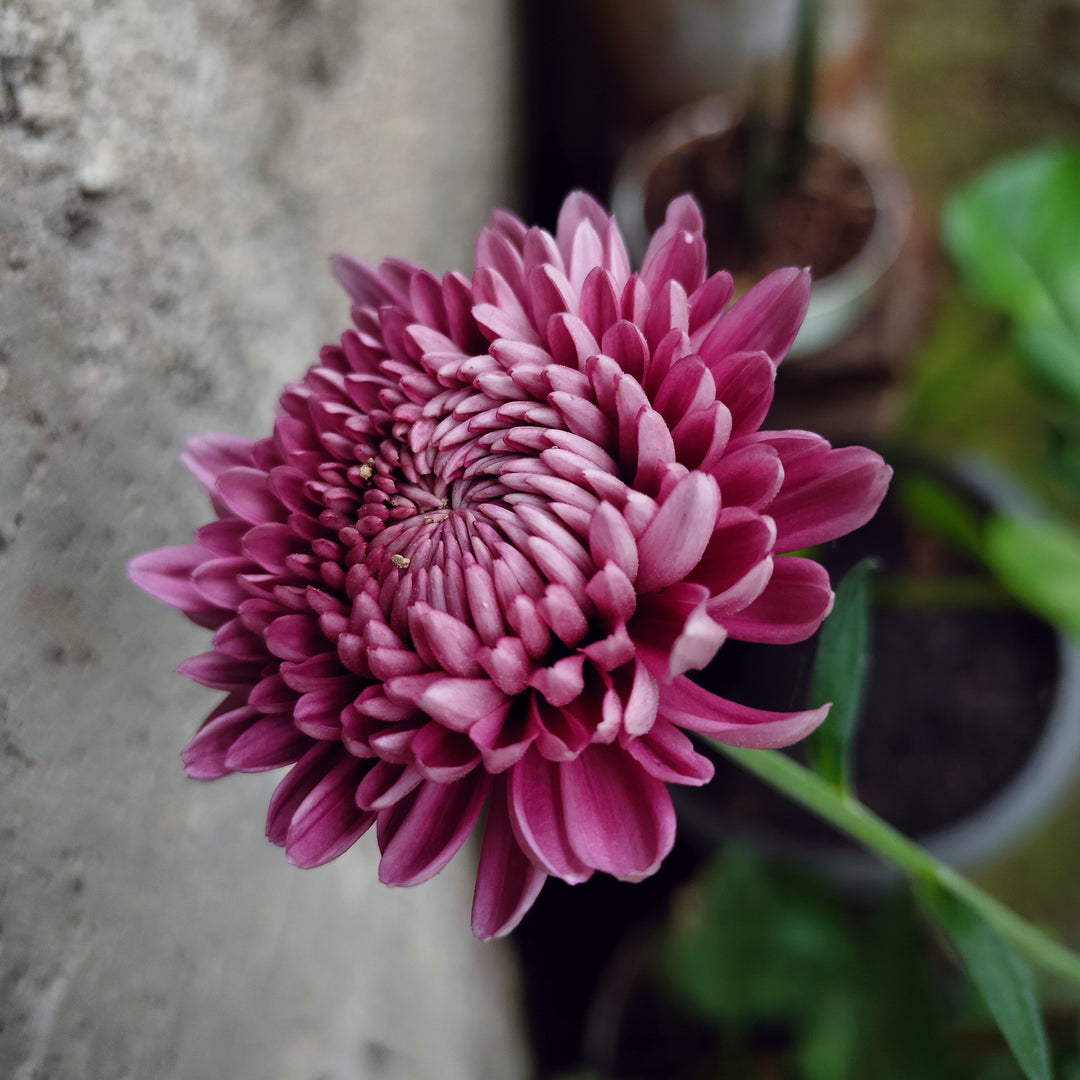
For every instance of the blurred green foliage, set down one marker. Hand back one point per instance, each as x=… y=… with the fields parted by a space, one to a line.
x=1014 y=234
x=1008 y=384
x=753 y=946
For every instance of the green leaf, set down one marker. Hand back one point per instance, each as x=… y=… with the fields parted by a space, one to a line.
x=1015 y=235
x=1038 y=561
x=1000 y=975
x=839 y=674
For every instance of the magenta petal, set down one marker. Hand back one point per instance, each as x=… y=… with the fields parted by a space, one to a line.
x=750 y=475
x=766 y=319
x=458 y=703
x=666 y=753
x=221 y=672
x=619 y=819
x=453 y=644
x=707 y=304
x=599 y=301
x=271 y=742
x=205 y=757
x=247 y=493
x=536 y=815
x=741 y=540
x=674 y=632
x=507 y=882
x=423 y=832
x=386 y=784
x=744 y=383
x=693 y=707
x=679 y=533
x=328 y=822
x=218 y=581
x=791 y=607
x=827 y=495
x=443 y=755
x=503 y=739
x=681 y=259
x=297 y=784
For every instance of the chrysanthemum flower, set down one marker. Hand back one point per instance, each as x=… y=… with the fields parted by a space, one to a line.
x=491 y=533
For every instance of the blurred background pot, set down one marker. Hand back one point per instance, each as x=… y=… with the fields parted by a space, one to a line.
x=846 y=216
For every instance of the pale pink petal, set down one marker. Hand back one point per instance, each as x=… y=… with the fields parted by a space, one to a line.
x=578 y=208
x=679 y=533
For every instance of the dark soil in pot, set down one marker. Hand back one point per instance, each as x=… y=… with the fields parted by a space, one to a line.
x=823 y=219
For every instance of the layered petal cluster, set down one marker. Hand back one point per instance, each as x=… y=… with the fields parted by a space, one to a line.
x=490 y=534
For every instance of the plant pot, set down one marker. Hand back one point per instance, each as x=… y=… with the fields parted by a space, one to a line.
x=970 y=733
x=847 y=218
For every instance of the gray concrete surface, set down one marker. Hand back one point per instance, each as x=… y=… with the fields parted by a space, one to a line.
x=172 y=177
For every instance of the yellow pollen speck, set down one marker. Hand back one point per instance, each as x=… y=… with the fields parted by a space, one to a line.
x=400 y=561
x=367 y=470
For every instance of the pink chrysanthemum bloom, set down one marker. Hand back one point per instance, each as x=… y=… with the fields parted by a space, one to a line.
x=490 y=534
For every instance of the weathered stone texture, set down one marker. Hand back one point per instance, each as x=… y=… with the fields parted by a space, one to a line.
x=172 y=177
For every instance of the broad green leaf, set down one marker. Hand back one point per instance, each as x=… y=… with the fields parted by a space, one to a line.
x=1038 y=561
x=1015 y=235
x=1001 y=977
x=839 y=674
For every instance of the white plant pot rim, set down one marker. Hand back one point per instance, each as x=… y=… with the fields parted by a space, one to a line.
x=836 y=301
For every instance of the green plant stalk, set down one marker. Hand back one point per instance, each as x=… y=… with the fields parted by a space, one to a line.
x=850 y=816
x=801 y=103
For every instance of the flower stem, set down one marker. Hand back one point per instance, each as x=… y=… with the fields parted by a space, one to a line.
x=850 y=816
